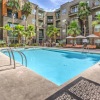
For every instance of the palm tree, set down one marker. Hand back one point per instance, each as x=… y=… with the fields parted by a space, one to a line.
x=19 y=30
x=55 y=33
x=26 y=10
x=49 y=32
x=83 y=13
x=7 y=28
x=52 y=32
x=73 y=28
x=30 y=32
x=96 y=22
x=14 y=5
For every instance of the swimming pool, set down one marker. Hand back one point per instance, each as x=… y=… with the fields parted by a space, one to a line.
x=58 y=66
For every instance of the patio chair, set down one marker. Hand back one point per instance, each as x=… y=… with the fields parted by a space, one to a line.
x=69 y=45
x=91 y=46
x=78 y=46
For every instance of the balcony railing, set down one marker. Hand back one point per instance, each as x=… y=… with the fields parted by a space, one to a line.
x=50 y=20
x=95 y=5
x=72 y=12
x=58 y=25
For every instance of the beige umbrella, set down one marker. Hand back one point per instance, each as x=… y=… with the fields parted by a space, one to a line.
x=70 y=37
x=80 y=37
x=92 y=36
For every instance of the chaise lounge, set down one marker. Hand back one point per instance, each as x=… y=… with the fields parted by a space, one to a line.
x=91 y=46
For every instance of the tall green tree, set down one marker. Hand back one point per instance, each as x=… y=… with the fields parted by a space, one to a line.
x=52 y=32
x=15 y=7
x=55 y=33
x=83 y=13
x=30 y=32
x=19 y=31
x=73 y=28
x=7 y=28
x=96 y=22
x=26 y=10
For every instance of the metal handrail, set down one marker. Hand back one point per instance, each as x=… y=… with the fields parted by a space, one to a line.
x=24 y=57
x=13 y=57
x=8 y=53
x=22 y=54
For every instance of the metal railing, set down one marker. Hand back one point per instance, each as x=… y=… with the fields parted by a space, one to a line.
x=22 y=55
x=11 y=56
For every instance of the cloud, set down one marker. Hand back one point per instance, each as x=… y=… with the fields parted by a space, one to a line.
x=50 y=5
x=59 y=2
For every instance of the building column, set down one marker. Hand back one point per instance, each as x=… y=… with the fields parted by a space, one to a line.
x=90 y=24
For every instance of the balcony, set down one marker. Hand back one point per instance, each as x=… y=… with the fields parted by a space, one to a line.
x=72 y=13
x=49 y=20
x=95 y=5
x=7 y=19
x=40 y=17
x=94 y=18
x=41 y=34
x=57 y=18
x=58 y=25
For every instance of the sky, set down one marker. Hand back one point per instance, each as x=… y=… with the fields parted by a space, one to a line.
x=49 y=5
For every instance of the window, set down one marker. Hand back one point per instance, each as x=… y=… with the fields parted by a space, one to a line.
x=64 y=20
x=33 y=11
x=87 y=2
x=97 y=2
x=74 y=9
x=97 y=28
x=41 y=15
x=98 y=12
x=23 y=17
x=64 y=30
x=33 y=21
x=9 y=13
x=16 y=15
x=64 y=11
x=41 y=33
x=40 y=23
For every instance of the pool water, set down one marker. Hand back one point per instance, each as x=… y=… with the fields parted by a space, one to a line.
x=58 y=66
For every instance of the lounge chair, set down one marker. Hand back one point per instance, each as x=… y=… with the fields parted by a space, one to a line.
x=78 y=46
x=91 y=46
x=69 y=45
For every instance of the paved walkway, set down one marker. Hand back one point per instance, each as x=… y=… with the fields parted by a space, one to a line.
x=23 y=84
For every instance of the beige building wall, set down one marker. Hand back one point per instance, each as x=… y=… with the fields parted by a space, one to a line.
x=65 y=17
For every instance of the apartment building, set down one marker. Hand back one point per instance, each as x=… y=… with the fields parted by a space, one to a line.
x=41 y=19
x=68 y=12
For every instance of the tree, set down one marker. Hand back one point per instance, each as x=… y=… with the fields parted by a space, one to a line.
x=26 y=10
x=30 y=32
x=52 y=32
x=7 y=28
x=83 y=13
x=96 y=22
x=19 y=30
x=55 y=33
x=14 y=5
x=73 y=28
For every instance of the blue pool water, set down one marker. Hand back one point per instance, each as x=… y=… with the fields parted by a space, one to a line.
x=58 y=66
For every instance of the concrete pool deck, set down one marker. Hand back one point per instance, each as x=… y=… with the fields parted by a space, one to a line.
x=23 y=84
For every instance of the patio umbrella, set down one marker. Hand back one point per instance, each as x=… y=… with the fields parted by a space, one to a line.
x=92 y=36
x=70 y=37
x=80 y=37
